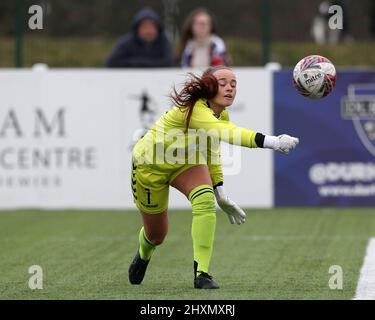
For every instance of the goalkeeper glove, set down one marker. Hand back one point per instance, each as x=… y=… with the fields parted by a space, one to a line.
x=282 y=143
x=234 y=212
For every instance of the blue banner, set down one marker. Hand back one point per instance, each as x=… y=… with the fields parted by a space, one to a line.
x=334 y=164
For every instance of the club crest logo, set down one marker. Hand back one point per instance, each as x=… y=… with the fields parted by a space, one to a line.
x=359 y=107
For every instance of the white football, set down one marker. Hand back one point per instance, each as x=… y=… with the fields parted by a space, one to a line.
x=314 y=76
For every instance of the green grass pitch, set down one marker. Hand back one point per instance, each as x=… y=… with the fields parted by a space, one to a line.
x=276 y=254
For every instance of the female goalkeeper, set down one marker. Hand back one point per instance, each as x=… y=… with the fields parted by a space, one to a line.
x=164 y=157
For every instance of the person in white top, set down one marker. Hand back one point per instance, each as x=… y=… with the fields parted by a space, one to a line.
x=200 y=46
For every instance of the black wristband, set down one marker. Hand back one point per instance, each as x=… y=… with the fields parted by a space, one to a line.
x=218 y=184
x=259 y=139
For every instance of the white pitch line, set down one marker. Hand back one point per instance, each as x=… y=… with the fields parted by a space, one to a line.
x=366 y=284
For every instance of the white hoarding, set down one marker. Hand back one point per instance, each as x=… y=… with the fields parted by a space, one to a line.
x=66 y=136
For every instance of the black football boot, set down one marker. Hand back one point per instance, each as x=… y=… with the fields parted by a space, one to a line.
x=203 y=280
x=137 y=269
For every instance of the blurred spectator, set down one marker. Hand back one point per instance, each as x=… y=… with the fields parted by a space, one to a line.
x=146 y=46
x=320 y=30
x=200 y=45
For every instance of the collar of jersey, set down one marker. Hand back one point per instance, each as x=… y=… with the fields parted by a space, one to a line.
x=204 y=102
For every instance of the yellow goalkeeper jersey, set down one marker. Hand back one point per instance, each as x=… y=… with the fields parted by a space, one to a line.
x=168 y=143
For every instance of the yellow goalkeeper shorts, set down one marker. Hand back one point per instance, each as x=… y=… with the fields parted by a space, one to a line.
x=150 y=184
x=150 y=181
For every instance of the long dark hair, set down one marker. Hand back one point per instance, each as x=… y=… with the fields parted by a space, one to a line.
x=187 y=29
x=195 y=88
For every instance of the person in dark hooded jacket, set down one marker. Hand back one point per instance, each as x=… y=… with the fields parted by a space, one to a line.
x=146 y=46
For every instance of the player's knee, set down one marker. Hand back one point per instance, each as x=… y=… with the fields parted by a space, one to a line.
x=203 y=202
x=156 y=239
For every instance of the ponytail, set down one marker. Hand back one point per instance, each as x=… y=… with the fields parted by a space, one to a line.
x=195 y=88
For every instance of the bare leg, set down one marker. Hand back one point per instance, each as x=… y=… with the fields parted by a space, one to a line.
x=155 y=226
x=192 y=178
